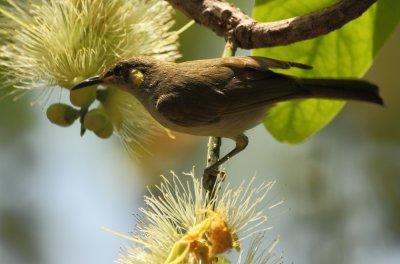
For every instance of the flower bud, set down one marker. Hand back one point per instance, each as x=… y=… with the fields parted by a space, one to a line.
x=62 y=114
x=106 y=132
x=83 y=97
x=98 y=121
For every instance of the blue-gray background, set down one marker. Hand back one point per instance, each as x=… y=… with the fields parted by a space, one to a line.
x=341 y=188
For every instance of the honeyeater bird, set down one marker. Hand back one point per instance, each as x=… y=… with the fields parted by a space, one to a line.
x=221 y=97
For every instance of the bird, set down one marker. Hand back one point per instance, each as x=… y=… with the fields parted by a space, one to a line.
x=222 y=97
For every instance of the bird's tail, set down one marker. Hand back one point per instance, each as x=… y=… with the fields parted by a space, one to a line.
x=358 y=90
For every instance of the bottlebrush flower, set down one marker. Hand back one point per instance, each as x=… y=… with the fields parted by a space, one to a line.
x=180 y=225
x=53 y=44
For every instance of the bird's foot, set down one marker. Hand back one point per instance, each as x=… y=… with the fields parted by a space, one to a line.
x=210 y=177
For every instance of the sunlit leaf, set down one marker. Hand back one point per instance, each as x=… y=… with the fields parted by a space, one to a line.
x=347 y=52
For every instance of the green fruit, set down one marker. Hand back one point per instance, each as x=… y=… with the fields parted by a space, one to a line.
x=83 y=97
x=106 y=132
x=96 y=120
x=62 y=114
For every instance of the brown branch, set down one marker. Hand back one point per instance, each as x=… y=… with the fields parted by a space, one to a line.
x=228 y=21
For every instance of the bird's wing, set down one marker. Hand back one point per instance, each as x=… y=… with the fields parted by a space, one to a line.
x=244 y=63
x=260 y=63
x=253 y=89
x=190 y=107
x=207 y=90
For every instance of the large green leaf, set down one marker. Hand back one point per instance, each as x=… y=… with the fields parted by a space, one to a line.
x=347 y=52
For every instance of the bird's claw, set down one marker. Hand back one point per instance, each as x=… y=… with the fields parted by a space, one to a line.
x=210 y=177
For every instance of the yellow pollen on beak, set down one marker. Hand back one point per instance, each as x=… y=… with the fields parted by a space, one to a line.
x=137 y=78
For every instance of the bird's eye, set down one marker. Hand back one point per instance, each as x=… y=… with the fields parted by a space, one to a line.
x=118 y=70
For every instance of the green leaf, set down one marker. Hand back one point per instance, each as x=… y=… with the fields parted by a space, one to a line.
x=347 y=52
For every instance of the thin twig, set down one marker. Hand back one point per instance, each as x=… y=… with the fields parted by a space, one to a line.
x=230 y=22
x=214 y=143
x=213 y=148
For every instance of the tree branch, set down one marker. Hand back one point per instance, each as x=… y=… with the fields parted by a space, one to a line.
x=230 y=22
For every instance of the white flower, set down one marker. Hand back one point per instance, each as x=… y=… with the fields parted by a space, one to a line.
x=259 y=253
x=178 y=217
x=58 y=42
x=52 y=44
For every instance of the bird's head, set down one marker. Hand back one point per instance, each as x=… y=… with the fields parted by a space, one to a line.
x=127 y=75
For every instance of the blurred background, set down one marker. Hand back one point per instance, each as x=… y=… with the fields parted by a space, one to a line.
x=341 y=189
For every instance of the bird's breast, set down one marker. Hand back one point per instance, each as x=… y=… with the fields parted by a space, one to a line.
x=228 y=126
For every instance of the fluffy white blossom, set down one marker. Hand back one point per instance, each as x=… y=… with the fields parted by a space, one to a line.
x=59 y=42
x=51 y=44
x=177 y=211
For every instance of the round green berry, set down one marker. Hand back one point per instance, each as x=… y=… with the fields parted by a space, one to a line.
x=83 y=97
x=106 y=132
x=96 y=120
x=62 y=114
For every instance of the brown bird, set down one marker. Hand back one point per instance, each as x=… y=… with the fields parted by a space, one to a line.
x=221 y=97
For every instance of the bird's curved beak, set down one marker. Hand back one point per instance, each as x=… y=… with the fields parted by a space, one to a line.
x=98 y=79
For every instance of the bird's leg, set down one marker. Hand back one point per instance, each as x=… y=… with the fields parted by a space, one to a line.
x=212 y=171
x=241 y=143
